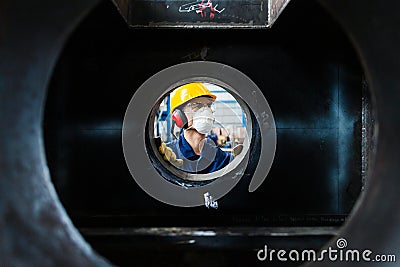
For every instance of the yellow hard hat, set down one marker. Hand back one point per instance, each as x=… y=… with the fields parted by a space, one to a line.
x=187 y=92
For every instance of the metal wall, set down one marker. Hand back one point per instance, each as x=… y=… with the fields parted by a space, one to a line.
x=311 y=77
x=35 y=228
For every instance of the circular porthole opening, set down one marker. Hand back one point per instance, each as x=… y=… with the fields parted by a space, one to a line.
x=204 y=97
x=197 y=132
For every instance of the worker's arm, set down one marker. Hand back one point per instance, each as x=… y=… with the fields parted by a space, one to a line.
x=167 y=153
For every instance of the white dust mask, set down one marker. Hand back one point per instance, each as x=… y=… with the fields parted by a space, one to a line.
x=203 y=120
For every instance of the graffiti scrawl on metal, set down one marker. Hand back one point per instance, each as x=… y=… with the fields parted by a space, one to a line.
x=200 y=6
x=201 y=13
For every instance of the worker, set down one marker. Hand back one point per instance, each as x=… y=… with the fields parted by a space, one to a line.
x=192 y=111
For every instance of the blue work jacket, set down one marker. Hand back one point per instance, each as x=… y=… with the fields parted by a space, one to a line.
x=212 y=158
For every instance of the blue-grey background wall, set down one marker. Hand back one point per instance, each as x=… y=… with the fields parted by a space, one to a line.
x=311 y=78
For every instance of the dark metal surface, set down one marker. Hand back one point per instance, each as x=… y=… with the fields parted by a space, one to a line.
x=34 y=227
x=200 y=248
x=314 y=88
x=373 y=27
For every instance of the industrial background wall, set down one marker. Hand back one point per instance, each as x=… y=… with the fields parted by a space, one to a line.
x=310 y=75
x=81 y=138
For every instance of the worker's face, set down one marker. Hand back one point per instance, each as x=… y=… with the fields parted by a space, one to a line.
x=195 y=105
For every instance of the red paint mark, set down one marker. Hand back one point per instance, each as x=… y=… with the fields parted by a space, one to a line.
x=203 y=6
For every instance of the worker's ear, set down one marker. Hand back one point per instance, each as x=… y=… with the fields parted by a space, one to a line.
x=179 y=117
